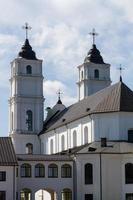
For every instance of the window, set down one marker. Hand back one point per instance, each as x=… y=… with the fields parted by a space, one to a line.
x=25 y=194
x=28 y=69
x=29 y=120
x=39 y=170
x=29 y=148
x=2 y=195
x=129 y=196
x=96 y=73
x=74 y=138
x=51 y=146
x=88 y=196
x=82 y=74
x=25 y=170
x=2 y=176
x=52 y=171
x=66 y=194
x=86 y=135
x=88 y=173
x=130 y=136
x=66 y=171
x=129 y=173
x=62 y=142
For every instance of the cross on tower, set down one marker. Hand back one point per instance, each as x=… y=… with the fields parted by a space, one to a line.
x=26 y=27
x=120 y=70
x=94 y=34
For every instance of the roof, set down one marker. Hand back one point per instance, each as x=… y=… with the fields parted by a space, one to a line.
x=94 y=56
x=33 y=157
x=115 y=98
x=113 y=147
x=27 y=52
x=7 y=153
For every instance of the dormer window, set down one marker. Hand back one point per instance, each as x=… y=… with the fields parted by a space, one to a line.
x=28 y=69
x=96 y=73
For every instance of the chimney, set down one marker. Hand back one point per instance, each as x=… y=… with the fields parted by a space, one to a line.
x=104 y=142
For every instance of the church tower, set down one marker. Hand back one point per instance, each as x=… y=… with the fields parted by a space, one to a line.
x=94 y=74
x=26 y=101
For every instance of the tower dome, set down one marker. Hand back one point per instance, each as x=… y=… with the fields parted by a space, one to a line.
x=27 y=52
x=94 y=56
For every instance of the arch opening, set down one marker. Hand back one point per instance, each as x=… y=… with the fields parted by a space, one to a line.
x=45 y=194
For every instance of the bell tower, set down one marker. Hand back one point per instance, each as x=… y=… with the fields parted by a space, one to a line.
x=26 y=101
x=94 y=74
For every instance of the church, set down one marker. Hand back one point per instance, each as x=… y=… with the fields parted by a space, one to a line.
x=80 y=152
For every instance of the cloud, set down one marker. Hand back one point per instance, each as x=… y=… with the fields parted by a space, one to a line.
x=51 y=89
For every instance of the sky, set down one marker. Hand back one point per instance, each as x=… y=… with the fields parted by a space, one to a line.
x=60 y=36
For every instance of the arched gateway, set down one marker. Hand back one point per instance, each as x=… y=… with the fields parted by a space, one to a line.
x=45 y=194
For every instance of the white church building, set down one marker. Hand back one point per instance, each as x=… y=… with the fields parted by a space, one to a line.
x=80 y=152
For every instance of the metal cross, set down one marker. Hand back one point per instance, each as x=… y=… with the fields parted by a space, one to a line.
x=26 y=27
x=120 y=70
x=59 y=93
x=94 y=34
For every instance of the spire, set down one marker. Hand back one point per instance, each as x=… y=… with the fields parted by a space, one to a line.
x=59 y=99
x=120 y=70
x=94 y=54
x=26 y=50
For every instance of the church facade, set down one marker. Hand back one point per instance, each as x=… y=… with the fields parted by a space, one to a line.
x=80 y=152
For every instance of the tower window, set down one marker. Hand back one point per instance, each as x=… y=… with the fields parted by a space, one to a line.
x=96 y=73
x=29 y=148
x=29 y=120
x=82 y=74
x=28 y=69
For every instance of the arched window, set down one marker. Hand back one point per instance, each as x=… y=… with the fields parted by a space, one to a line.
x=74 y=138
x=51 y=146
x=26 y=170
x=88 y=173
x=52 y=171
x=86 y=135
x=62 y=142
x=66 y=194
x=128 y=173
x=28 y=69
x=82 y=74
x=25 y=194
x=96 y=73
x=29 y=148
x=66 y=171
x=39 y=170
x=29 y=120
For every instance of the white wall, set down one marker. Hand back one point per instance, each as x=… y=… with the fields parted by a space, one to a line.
x=55 y=184
x=10 y=184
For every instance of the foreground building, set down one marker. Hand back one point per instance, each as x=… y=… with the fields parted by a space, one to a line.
x=80 y=152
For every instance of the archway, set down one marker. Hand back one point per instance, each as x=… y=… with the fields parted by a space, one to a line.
x=45 y=194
